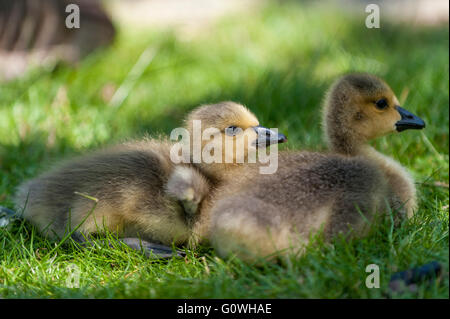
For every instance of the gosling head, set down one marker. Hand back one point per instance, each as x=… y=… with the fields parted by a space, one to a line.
x=360 y=107
x=231 y=128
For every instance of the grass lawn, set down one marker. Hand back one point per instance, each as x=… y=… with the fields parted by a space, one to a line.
x=279 y=62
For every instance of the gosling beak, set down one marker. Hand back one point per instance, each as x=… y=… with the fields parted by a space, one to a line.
x=267 y=137
x=408 y=121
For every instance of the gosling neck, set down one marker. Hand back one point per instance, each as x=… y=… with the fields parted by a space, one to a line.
x=369 y=151
x=352 y=146
x=346 y=143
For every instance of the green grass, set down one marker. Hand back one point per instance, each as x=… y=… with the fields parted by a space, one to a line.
x=279 y=62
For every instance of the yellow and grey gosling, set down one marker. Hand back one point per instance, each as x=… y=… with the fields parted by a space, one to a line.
x=264 y=215
x=141 y=193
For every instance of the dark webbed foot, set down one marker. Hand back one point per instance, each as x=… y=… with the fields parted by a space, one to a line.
x=151 y=250
x=6 y=216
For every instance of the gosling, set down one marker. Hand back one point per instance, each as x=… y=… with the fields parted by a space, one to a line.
x=134 y=189
x=337 y=192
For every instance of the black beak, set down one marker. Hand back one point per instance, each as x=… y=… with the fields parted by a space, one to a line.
x=267 y=137
x=408 y=121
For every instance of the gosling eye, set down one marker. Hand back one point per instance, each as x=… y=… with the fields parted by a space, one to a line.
x=381 y=104
x=232 y=130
